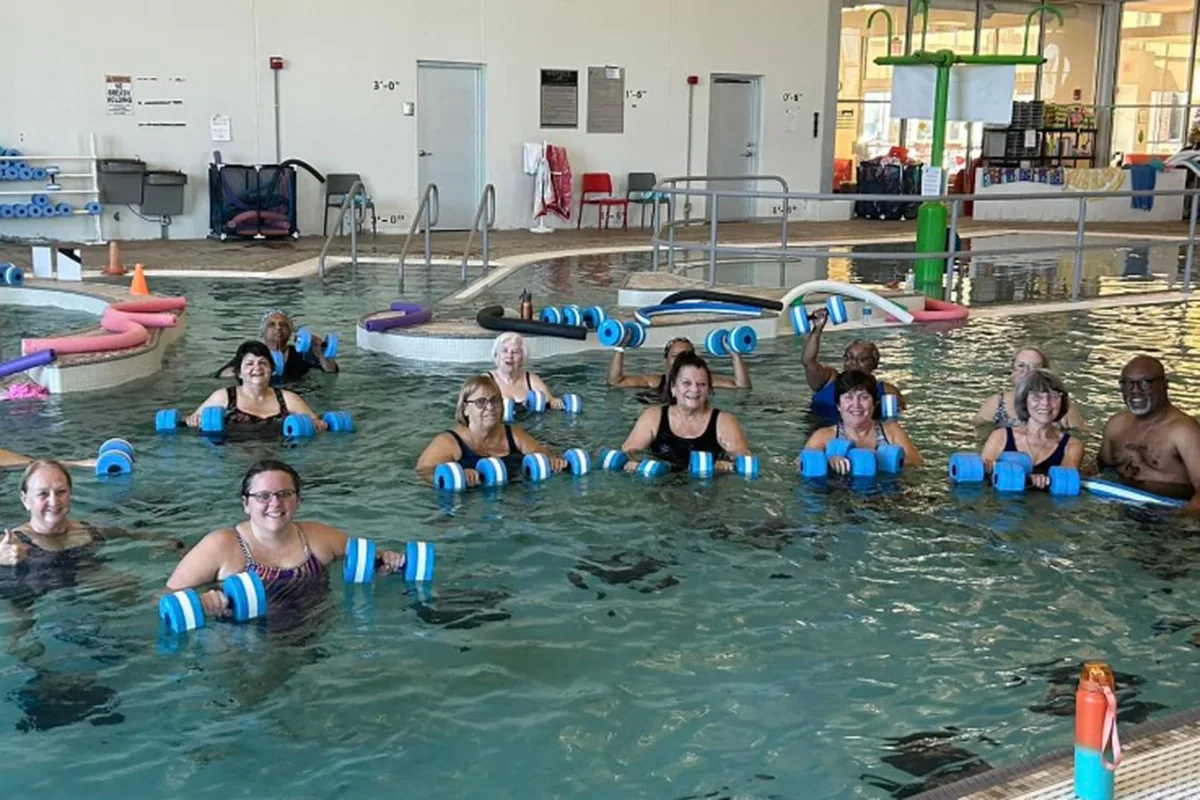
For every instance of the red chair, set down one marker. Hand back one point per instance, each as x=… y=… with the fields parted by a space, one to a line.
x=600 y=183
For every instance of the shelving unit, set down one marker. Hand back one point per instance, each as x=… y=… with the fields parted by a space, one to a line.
x=1053 y=147
x=53 y=189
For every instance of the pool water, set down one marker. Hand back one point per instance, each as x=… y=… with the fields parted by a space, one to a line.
x=601 y=637
x=21 y=322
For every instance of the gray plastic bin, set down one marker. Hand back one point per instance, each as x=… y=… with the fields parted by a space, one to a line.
x=121 y=180
x=162 y=194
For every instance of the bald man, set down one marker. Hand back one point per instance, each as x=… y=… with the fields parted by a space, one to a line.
x=1153 y=445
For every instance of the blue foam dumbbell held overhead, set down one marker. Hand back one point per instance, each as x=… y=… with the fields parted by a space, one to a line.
x=836 y=306
x=115 y=457
x=615 y=333
x=304 y=342
x=361 y=561
x=1008 y=476
x=743 y=340
x=717 y=342
x=889 y=406
x=966 y=468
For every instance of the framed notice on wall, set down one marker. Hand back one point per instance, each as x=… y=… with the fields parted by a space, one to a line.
x=606 y=100
x=560 y=98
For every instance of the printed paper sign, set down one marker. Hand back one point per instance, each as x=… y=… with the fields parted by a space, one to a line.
x=931 y=182
x=118 y=94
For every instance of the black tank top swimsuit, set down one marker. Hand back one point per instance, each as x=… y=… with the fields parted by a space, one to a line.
x=512 y=459
x=44 y=571
x=676 y=450
x=518 y=405
x=235 y=416
x=1055 y=459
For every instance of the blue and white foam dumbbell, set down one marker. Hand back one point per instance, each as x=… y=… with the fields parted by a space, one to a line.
x=717 y=342
x=889 y=406
x=572 y=315
x=613 y=460
x=615 y=333
x=450 y=477
x=115 y=458
x=338 y=421
x=182 y=611
x=702 y=464
x=361 y=561
x=279 y=361
x=835 y=305
x=746 y=466
x=299 y=426
x=652 y=468
x=492 y=471
x=11 y=274
x=572 y=403
x=551 y=314
x=510 y=409
x=594 y=316
x=966 y=468
x=304 y=342
x=743 y=340
x=578 y=461
x=535 y=401
x=889 y=458
x=536 y=467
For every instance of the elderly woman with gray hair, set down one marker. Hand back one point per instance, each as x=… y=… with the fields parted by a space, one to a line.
x=275 y=330
x=516 y=382
x=1041 y=402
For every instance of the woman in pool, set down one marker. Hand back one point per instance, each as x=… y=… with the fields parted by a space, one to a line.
x=1041 y=405
x=254 y=401
x=516 y=382
x=276 y=332
x=480 y=432
x=687 y=423
x=998 y=411
x=655 y=385
x=11 y=460
x=291 y=557
x=855 y=392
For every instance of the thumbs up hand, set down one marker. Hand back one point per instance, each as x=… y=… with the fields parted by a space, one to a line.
x=12 y=550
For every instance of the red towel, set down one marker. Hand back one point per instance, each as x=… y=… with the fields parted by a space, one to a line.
x=560 y=180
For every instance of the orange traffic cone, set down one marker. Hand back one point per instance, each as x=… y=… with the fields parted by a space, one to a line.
x=114 y=266
x=138 y=286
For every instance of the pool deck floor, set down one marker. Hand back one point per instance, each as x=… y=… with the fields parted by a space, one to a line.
x=264 y=256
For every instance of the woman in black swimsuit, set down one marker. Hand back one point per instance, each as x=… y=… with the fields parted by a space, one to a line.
x=254 y=401
x=687 y=423
x=1041 y=403
x=858 y=422
x=480 y=432
x=510 y=374
x=654 y=387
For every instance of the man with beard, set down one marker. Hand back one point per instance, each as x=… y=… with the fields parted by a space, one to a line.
x=1153 y=445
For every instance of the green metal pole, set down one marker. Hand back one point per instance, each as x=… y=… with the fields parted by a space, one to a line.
x=931 y=217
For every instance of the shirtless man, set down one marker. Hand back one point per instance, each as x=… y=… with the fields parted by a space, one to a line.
x=1153 y=446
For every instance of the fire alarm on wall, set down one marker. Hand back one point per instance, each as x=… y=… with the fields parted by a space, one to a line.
x=276 y=62
x=693 y=80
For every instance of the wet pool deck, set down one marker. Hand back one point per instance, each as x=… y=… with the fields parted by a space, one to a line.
x=267 y=256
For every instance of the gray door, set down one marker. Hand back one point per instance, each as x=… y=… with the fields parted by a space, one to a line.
x=450 y=138
x=733 y=131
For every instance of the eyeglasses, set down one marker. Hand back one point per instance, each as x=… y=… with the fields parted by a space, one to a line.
x=1142 y=383
x=1025 y=366
x=1045 y=397
x=495 y=401
x=265 y=497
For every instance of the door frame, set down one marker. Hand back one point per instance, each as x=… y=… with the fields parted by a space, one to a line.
x=756 y=82
x=481 y=125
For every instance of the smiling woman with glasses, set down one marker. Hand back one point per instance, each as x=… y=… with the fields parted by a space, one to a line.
x=1000 y=410
x=1041 y=404
x=479 y=432
x=291 y=557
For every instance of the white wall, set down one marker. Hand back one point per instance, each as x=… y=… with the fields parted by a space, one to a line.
x=333 y=118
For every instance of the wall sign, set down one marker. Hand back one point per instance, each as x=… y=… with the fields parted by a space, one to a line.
x=560 y=98
x=118 y=95
x=606 y=100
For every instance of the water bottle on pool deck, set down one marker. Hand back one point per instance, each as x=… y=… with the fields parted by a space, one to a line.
x=1097 y=746
x=526 y=305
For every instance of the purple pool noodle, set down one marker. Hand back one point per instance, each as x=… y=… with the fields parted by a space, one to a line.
x=413 y=315
x=38 y=359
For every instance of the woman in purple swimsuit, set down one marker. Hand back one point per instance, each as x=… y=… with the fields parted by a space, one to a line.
x=254 y=401
x=290 y=556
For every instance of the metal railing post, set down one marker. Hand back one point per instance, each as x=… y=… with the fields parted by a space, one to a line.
x=485 y=214
x=1191 y=245
x=347 y=202
x=353 y=233
x=671 y=238
x=429 y=208
x=1078 y=276
x=952 y=247
x=654 y=221
x=783 y=234
x=712 y=239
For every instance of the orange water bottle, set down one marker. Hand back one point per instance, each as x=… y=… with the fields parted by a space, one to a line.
x=526 y=300
x=1097 y=747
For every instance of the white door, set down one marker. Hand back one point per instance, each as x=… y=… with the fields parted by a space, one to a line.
x=733 y=132
x=450 y=138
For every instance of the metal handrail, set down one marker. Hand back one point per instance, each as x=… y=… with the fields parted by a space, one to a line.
x=668 y=186
x=784 y=253
x=350 y=198
x=431 y=207
x=487 y=202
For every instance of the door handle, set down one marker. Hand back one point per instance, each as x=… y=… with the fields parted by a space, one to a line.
x=748 y=154
x=424 y=153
